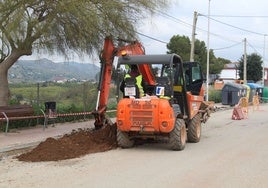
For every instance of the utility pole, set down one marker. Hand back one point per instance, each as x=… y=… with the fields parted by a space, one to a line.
x=263 y=64
x=245 y=61
x=193 y=37
x=207 y=84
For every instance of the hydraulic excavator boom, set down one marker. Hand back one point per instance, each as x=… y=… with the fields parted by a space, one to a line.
x=109 y=53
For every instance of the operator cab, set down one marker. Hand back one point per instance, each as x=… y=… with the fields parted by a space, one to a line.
x=187 y=78
x=192 y=74
x=193 y=77
x=175 y=81
x=162 y=84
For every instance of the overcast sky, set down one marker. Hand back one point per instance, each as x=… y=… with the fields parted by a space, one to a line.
x=231 y=22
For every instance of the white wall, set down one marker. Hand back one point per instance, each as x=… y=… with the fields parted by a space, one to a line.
x=229 y=74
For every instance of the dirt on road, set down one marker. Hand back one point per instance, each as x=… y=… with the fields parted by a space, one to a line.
x=75 y=144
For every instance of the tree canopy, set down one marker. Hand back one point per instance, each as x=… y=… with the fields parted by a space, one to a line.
x=58 y=26
x=181 y=45
x=254 y=67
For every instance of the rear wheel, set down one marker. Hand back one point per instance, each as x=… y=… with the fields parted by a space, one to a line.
x=194 y=129
x=178 y=136
x=123 y=140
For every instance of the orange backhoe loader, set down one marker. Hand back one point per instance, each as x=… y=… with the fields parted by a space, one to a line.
x=173 y=106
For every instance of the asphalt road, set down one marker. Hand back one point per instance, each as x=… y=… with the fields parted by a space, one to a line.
x=231 y=153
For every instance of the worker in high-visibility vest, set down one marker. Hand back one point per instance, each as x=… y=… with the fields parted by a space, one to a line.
x=134 y=73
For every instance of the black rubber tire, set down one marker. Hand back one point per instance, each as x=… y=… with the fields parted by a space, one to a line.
x=194 y=129
x=178 y=136
x=123 y=140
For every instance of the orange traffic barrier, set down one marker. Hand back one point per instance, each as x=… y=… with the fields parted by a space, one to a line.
x=237 y=113
x=243 y=103
x=256 y=102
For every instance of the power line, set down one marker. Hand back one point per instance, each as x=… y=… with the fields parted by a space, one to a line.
x=190 y=25
x=237 y=16
x=242 y=29
x=155 y=39
x=174 y=18
x=223 y=48
x=256 y=51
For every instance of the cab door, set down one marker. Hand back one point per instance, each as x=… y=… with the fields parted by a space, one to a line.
x=193 y=77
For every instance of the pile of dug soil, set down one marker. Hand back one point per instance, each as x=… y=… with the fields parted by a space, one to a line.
x=73 y=145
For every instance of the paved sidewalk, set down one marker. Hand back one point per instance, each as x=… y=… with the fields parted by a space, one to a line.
x=28 y=137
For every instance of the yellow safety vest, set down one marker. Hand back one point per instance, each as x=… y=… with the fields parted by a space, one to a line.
x=138 y=82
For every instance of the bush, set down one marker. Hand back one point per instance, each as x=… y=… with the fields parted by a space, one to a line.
x=215 y=95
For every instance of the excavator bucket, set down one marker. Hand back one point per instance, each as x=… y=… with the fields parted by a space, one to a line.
x=206 y=108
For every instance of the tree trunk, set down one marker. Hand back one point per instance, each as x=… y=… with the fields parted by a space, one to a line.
x=4 y=89
x=4 y=67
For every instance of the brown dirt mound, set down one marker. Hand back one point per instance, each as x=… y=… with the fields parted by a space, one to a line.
x=76 y=144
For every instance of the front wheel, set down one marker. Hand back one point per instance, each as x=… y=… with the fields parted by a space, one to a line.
x=194 y=129
x=123 y=140
x=178 y=136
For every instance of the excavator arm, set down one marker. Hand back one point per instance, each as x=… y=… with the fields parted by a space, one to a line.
x=106 y=60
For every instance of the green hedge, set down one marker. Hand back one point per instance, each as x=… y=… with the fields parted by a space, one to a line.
x=215 y=95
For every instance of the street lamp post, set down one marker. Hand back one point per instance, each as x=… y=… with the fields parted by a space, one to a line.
x=245 y=62
x=263 y=64
x=207 y=83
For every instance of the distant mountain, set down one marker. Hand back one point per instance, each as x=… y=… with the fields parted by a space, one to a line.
x=46 y=70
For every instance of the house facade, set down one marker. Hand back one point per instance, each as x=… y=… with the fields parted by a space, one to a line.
x=230 y=73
